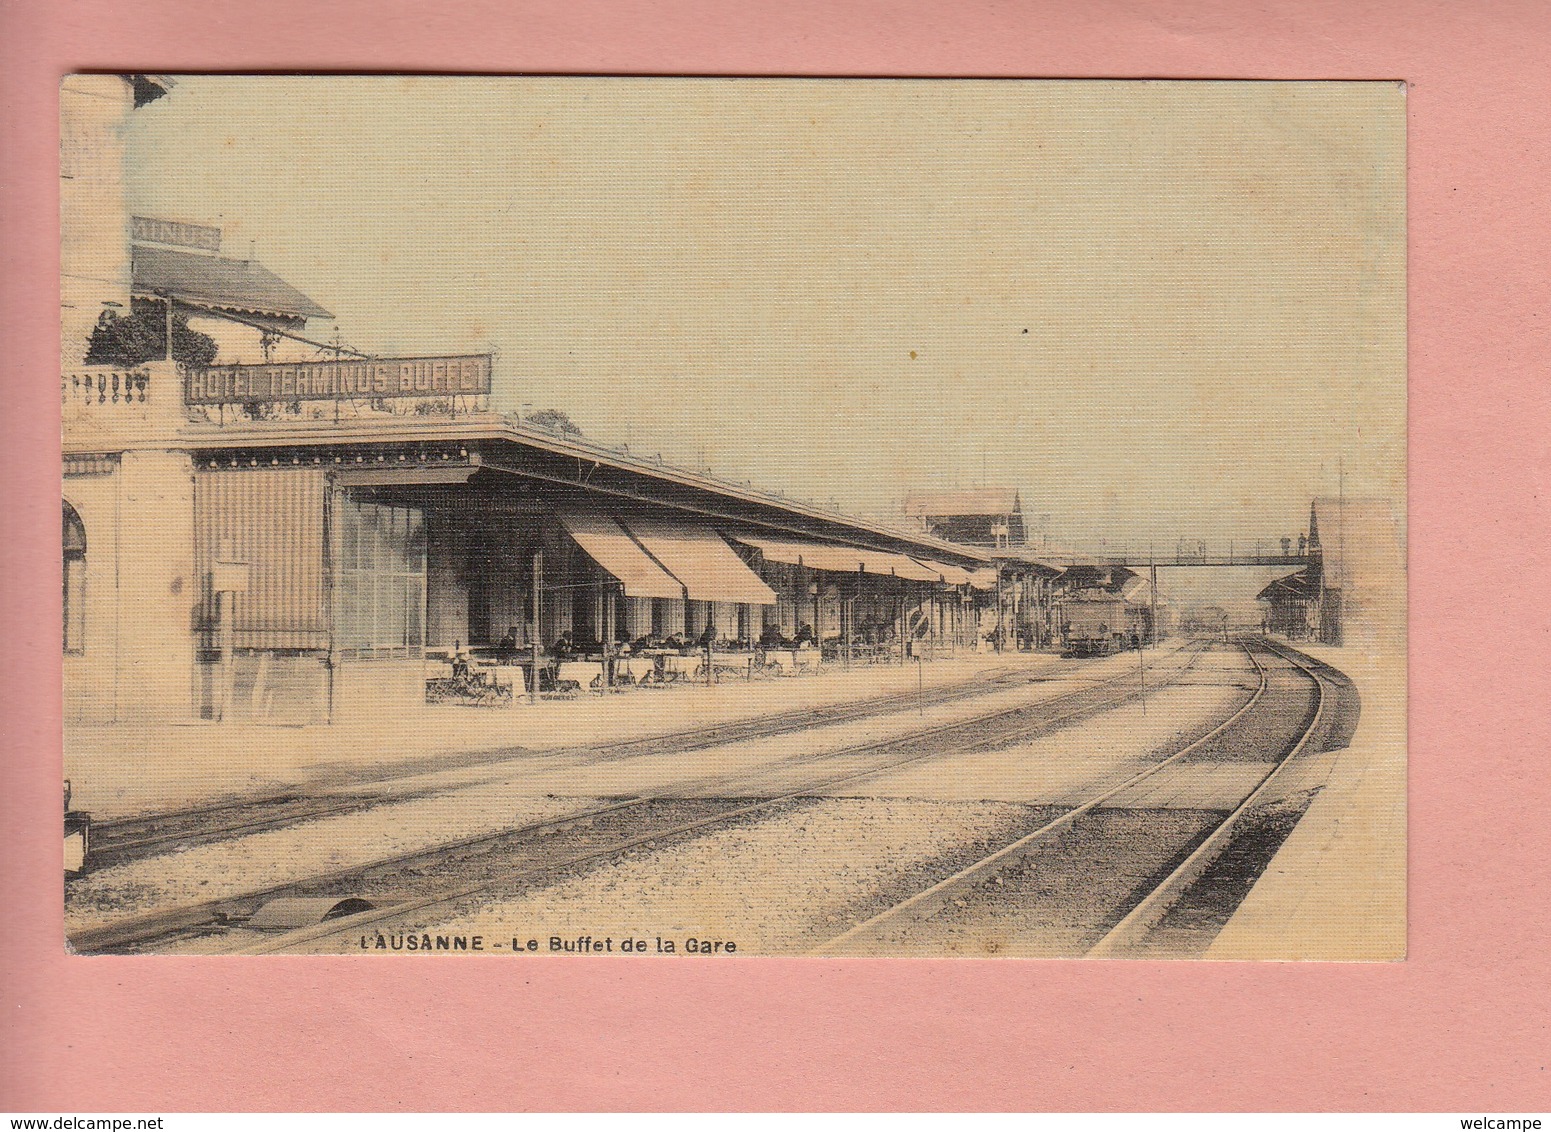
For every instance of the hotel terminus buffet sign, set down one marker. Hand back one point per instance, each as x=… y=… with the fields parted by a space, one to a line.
x=338 y=380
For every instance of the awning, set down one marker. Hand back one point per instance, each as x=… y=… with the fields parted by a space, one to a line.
x=702 y=560
x=840 y=559
x=610 y=547
x=984 y=578
x=813 y=555
x=216 y=281
x=898 y=565
x=952 y=575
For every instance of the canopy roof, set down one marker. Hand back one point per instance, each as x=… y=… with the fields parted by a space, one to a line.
x=219 y=283
x=1301 y=586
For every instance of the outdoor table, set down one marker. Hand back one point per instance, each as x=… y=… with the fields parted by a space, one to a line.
x=734 y=662
x=588 y=674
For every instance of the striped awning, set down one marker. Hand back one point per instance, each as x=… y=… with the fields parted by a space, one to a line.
x=701 y=559
x=607 y=544
x=840 y=559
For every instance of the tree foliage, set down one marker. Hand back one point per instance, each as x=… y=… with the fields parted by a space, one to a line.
x=555 y=421
x=142 y=337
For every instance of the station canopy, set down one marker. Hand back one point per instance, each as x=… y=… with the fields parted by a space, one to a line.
x=952 y=575
x=841 y=559
x=1136 y=590
x=984 y=578
x=701 y=559
x=606 y=542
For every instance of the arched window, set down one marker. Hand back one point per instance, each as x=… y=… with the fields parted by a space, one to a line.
x=75 y=581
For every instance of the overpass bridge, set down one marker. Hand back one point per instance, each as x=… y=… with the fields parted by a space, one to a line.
x=1197 y=553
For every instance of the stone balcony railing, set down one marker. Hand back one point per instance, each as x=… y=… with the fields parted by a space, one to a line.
x=99 y=387
x=115 y=403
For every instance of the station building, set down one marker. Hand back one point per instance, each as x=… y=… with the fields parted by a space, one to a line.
x=258 y=524
x=1353 y=590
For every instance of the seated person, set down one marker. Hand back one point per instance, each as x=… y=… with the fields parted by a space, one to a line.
x=771 y=637
x=675 y=641
x=641 y=643
x=564 y=647
x=508 y=644
x=805 y=638
x=708 y=638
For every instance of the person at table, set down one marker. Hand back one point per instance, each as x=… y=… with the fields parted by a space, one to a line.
x=805 y=638
x=564 y=647
x=675 y=642
x=771 y=637
x=707 y=639
x=508 y=646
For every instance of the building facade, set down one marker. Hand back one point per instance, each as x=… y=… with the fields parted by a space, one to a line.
x=257 y=524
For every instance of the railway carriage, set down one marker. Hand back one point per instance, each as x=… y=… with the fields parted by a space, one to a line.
x=1098 y=625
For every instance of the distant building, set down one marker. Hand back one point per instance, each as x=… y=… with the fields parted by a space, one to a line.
x=982 y=516
x=1353 y=589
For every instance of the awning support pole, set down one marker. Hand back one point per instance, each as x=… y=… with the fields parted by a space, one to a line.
x=538 y=589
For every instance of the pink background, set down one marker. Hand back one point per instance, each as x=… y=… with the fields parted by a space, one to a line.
x=1459 y=1026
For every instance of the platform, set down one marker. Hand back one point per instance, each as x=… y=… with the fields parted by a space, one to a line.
x=1336 y=890
x=120 y=770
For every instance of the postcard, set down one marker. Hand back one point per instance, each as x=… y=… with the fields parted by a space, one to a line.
x=521 y=517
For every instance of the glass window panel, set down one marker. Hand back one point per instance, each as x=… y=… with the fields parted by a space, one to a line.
x=414 y=604
x=349 y=538
x=382 y=587
x=390 y=612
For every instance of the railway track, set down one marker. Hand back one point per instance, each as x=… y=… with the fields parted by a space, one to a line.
x=413 y=883
x=1093 y=880
x=120 y=841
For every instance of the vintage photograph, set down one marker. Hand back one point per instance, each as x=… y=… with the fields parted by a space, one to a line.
x=569 y=516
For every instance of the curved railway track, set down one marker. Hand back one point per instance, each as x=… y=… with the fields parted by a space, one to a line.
x=415 y=882
x=119 y=841
x=1031 y=895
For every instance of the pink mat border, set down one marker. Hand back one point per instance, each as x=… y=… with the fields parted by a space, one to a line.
x=1458 y=1026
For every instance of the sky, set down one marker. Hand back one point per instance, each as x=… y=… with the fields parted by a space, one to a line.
x=1157 y=309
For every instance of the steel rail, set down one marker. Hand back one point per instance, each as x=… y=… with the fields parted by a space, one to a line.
x=358 y=796
x=927 y=902
x=218 y=913
x=691 y=739
x=1134 y=927
x=348 y=924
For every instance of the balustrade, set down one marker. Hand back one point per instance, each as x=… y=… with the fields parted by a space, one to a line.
x=94 y=386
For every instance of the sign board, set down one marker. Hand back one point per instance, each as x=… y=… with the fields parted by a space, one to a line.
x=337 y=380
x=150 y=230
